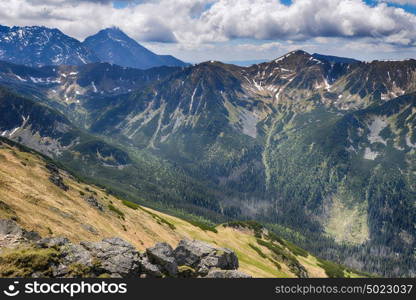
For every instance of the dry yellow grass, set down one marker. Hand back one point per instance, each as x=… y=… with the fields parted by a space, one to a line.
x=37 y=204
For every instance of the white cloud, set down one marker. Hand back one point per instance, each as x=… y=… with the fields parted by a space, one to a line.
x=304 y=19
x=197 y=25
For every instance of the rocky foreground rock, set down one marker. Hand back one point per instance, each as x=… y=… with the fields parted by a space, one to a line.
x=114 y=257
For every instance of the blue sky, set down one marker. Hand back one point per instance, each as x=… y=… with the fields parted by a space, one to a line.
x=230 y=30
x=407 y=7
x=120 y=4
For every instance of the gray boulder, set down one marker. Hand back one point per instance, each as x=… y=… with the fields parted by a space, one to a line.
x=148 y=269
x=71 y=255
x=204 y=257
x=76 y=254
x=222 y=258
x=112 y=256
x=162 y=254
x=189 y=253
x=117 y=257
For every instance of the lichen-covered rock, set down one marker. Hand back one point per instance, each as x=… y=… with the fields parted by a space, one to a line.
x=203 y=257
x=72 y=255
x=113 y=257
x=227 y=274
x=223 y=258
x=162 y=254
x=117 y=257
x=189 y=253
x=76 y=254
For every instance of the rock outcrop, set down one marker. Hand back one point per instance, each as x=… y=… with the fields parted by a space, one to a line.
x=91 y=200
x=56 y=177
x=162 y=255
x=202 y=257
x=11 y=234
x=114 y=257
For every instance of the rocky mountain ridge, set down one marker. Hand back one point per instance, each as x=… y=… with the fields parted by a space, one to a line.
x=39 y=46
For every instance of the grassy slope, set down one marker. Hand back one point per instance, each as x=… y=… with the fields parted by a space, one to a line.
x=27 y=195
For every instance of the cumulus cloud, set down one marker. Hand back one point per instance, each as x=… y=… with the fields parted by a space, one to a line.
x=306 y=19
x=193 y=24
x=198 y=21
x=81 y=18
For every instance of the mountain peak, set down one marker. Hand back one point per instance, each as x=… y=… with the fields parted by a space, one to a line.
x=296 y=53
x=299 y=52
x=114 y=46
x=113 y=31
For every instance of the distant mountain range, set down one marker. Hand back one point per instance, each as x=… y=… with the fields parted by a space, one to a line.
x=41 y=46
x=321 y=148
